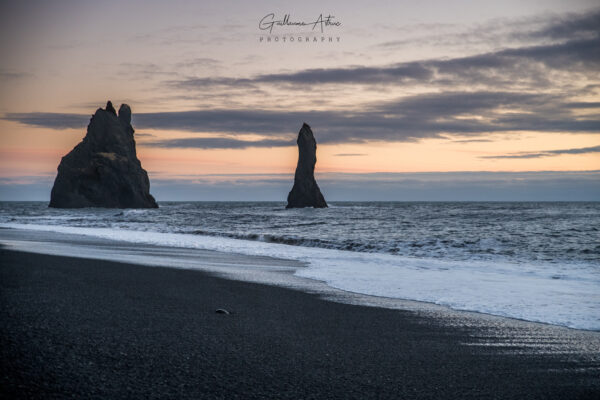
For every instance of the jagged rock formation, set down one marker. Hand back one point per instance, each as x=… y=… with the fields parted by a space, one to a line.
x=110 y=108
x=306 y=192
x=103 y=170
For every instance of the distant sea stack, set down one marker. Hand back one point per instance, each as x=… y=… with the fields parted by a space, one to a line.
x=103 y=170
x=306 y=192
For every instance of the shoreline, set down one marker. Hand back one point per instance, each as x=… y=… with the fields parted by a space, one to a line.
x=99 y=328
x=270 y=270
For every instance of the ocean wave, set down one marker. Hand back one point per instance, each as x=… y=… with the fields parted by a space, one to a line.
x=560 y=233
x=297 y=241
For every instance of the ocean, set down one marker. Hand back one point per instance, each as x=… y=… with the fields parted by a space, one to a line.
x=533 y=261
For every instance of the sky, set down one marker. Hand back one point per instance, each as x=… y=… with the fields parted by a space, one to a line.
x=429 y=100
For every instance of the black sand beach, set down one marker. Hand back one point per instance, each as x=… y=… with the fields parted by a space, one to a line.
x=81 y=328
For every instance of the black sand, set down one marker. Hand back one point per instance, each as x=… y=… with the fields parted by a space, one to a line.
x=97 y=329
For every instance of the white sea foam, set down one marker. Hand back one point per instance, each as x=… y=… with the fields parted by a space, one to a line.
x=542 y=293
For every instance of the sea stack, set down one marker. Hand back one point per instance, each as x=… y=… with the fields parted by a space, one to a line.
x=306 y=192
x=103 y=170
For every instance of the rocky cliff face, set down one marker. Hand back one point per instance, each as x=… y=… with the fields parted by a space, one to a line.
x=103 y=170
x=306 y=192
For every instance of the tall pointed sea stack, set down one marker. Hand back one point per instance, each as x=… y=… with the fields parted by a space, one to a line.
x=306 y=192
x=103 y=170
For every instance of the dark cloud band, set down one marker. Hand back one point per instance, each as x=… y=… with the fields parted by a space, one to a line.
x=548 y=153
x=217 y=143
x=406 y=119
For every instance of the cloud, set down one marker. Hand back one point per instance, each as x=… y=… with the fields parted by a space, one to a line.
x=405 y=119
x=217 y=143
x=568 y=26
x=504 y=66
x=472 y=141
x=49 y=120
x=396 y=73
x=6 y=75
x=548 y=153
x=199 y=62
x=143 y=71
x=410 y=118
x=501 y=30
x=201 y=83
x=71 y=44
x=582 y=104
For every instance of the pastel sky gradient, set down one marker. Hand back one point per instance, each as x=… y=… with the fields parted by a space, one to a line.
x=428 y=100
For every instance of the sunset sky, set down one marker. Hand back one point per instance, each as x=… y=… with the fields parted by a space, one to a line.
x=427 y=100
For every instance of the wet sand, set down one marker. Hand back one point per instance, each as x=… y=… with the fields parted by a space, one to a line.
x=73 y=327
